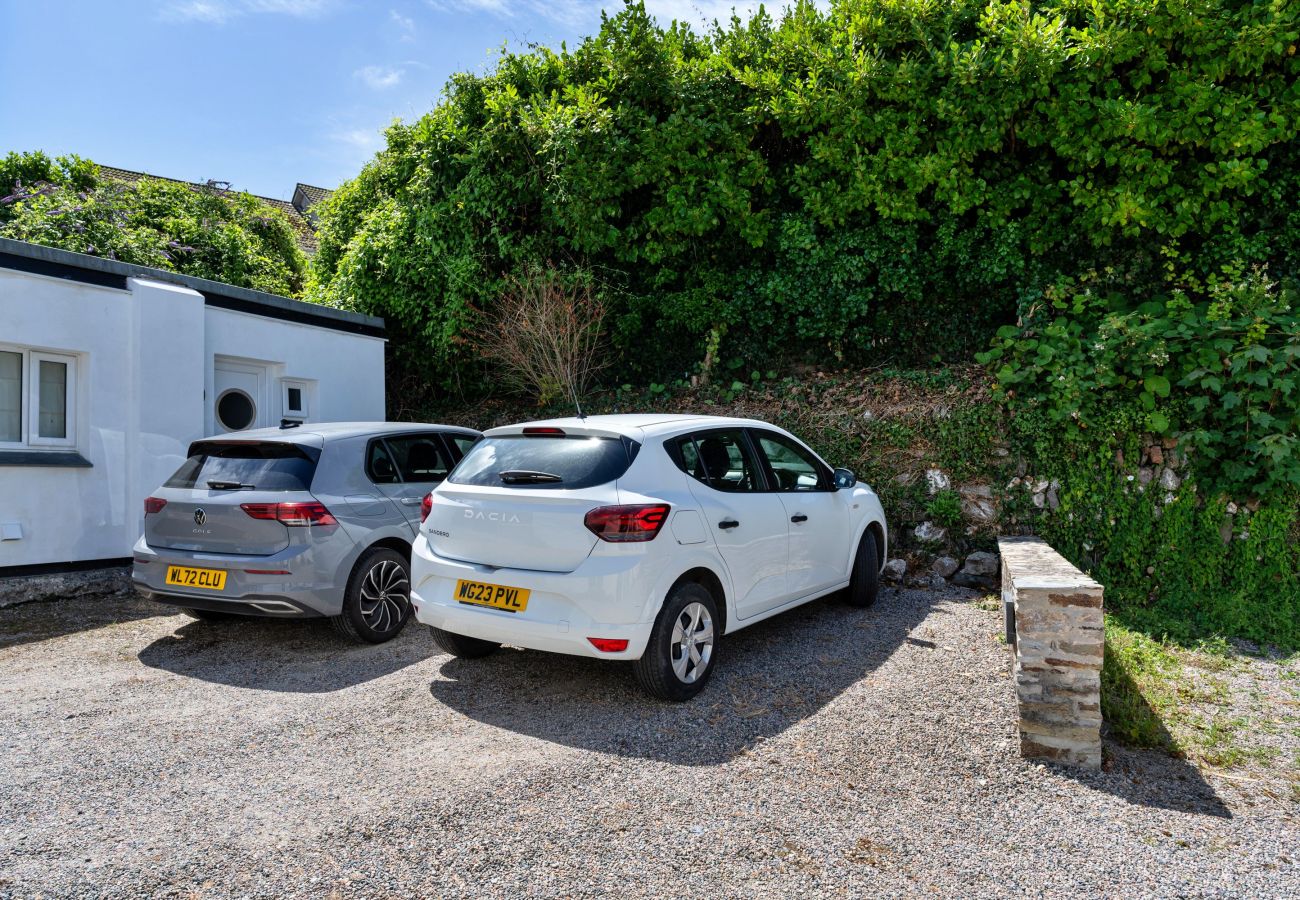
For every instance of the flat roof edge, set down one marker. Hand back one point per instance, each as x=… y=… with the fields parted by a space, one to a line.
x=256 y=302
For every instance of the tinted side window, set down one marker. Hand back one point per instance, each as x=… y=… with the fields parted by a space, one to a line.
x=794 y=467
x=264 y=467
x=720 y=459
x=379 y=464
x=419 y=457
x=460 y=443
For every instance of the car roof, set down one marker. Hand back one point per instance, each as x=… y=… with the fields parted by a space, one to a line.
x=636 y=425
x=324 y=431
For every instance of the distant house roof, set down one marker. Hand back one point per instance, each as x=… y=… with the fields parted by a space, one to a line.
x=296 y=210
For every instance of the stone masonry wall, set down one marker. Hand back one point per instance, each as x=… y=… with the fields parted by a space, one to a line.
x=1059 y=649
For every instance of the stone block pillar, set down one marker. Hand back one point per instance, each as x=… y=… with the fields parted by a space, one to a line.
x=1058 y=648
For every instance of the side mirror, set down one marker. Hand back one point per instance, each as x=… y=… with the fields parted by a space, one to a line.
x=844 y=478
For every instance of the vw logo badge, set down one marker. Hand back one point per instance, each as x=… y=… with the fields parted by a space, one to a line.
x=200 y=517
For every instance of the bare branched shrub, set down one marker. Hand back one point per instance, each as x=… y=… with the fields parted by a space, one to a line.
x=545 y=334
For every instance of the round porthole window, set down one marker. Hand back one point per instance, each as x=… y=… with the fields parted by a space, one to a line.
x=235 y=410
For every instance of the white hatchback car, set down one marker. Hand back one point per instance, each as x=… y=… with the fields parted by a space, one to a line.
x=638 y=537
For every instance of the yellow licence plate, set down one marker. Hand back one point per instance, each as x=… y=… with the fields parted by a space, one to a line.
x=184 y=576
x=497 y=596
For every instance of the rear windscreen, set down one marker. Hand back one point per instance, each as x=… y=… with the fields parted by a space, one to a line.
x=528 y=461
x=262 y=467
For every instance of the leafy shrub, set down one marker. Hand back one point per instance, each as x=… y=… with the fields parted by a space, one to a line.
x=1221 y=369
x=892 y=178
x=209 y=232
x=945 y=508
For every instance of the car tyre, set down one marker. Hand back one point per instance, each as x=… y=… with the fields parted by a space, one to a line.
x=683 y=646
x=864 y=582
x=377 y=601
x=461 y=645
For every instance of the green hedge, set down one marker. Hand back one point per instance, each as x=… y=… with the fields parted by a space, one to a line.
x=892 y=178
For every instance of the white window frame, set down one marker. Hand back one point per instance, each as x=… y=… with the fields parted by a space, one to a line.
x=31 y=400
x=304 y=413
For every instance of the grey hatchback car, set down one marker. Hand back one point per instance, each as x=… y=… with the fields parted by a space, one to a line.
x=297 y=522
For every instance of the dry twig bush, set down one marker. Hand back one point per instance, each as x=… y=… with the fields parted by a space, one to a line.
x=544 y=335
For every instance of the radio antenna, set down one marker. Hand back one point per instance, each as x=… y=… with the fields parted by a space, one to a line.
x=573 y=389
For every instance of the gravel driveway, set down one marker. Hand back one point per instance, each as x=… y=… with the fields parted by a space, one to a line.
x=836 y=752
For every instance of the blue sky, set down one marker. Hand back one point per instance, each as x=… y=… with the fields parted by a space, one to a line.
x=260 y=93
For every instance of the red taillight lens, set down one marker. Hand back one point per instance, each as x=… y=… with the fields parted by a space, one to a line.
x=153 y=505
x=627 y=524
x=544 y=432
x=291 y=513
x=426 y=506
x=608 y=645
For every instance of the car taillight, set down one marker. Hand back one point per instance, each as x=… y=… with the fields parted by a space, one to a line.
x=536 y=431
x=609 y=645
x=426 y=506
x=627 y=524
x=153 y=505
x=291 y=513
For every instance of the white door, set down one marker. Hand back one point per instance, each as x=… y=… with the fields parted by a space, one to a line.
x=747 y=523
x=239 y=396
x=818 y=515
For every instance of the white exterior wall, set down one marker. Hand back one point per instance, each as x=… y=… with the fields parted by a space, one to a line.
x=145 y=367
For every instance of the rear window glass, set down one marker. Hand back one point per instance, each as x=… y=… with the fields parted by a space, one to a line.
x=562 y=463
x=262 y=467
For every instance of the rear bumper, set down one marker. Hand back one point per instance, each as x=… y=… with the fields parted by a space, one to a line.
x=269 y=607
x=307 y=591
x=605 y=597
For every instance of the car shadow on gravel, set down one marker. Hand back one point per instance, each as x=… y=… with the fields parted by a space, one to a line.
x=769 y=677
x=44 y=620
x=304 y=657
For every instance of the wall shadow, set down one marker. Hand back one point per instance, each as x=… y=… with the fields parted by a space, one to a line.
x=305 y=657
x=769 y=677
x=1157 y=777
x=43 y=620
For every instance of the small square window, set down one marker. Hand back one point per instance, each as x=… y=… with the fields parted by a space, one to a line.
x=295 y=397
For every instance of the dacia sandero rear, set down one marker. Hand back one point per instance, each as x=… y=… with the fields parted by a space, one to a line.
x=298 y=522
x=640 y=538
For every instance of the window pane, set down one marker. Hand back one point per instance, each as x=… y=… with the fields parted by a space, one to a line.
x=295 y=399
x=11 y=396
x=52 y=419
x=379 y=466
x=420 y=459
x=795 y=468
x=721 y=460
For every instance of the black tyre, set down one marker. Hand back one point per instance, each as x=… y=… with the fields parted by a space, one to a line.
x=462 y=646
x=683 y=646
x=208 y=615
x=864 y=583
x=377 y=601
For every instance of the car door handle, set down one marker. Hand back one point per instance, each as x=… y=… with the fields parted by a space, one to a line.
x=798 y=517
x=728 y=523
x=411 y=501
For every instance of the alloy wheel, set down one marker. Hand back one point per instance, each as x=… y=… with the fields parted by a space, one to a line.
x=692 y=642
x=385 y=596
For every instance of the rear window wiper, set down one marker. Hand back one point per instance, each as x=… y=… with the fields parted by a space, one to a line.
x=523 y=476
x=229 y=486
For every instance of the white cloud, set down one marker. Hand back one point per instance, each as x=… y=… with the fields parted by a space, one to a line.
x=405 y=24
x=218 y=12
x=379 y=77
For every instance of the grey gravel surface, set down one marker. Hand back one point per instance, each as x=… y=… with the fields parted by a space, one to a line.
x=837 y=752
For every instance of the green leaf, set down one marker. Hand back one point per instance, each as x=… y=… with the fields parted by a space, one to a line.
x=1158 y=385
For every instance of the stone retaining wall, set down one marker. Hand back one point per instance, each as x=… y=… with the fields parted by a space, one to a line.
x=1058 y=647
x=109 y=582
